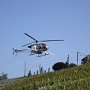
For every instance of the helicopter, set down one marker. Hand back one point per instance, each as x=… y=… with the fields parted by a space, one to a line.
x=36 y=47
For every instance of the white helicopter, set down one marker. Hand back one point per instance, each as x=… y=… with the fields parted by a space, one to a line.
x=36 y=47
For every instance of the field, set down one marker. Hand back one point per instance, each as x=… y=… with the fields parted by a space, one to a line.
x=77 y=78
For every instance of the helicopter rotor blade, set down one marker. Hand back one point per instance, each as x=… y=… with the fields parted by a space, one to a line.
x=31 y=37
x=27 y=44
x=41 y=41
x=36 y=41
x=49 y=40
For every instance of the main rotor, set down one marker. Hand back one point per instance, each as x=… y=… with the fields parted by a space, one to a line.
x=36 y=41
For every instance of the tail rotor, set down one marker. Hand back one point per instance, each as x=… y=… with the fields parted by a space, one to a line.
x=13 y=51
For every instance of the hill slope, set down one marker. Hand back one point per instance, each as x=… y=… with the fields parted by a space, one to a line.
x=77 y=78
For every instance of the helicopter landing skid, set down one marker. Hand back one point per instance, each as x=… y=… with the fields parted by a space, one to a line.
x=42 y=55
x=31 y=54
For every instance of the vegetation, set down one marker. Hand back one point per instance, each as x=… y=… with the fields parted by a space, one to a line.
x=85 y=60
x=72 y=65
x=61 y=65
x=3 y=77
x=77 y=78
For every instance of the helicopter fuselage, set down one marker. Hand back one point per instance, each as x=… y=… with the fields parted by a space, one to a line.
x=38 y=48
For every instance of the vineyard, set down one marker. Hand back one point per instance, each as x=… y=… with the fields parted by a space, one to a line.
x=77 y=78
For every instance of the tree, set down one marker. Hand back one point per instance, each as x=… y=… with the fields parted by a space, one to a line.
x=37 y=72
x=49 y=69
x=59 y=66
x=29 y=73
x=41 y=69
x=3 y=77
x=72 y=65
x=67 y=64
x=84 y=60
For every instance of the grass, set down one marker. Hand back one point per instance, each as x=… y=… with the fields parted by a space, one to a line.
x=77 y=78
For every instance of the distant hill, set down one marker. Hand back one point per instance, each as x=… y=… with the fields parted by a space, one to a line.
x=77 y=78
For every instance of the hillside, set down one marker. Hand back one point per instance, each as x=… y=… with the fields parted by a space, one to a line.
x=77 y=78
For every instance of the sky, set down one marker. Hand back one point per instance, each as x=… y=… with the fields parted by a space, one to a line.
x=43 y=19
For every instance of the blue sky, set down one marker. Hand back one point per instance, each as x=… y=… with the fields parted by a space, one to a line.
x=42 y=19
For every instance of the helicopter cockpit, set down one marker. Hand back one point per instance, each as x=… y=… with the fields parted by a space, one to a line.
x=42 y=47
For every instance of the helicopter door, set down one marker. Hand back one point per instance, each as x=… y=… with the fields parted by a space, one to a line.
x=34 y=47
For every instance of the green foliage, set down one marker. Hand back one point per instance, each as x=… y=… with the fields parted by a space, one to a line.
x=85 y=60
x=72 y=65
x=59 y=66
x=3 y=77
x=77 y=78
x=29 y=73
